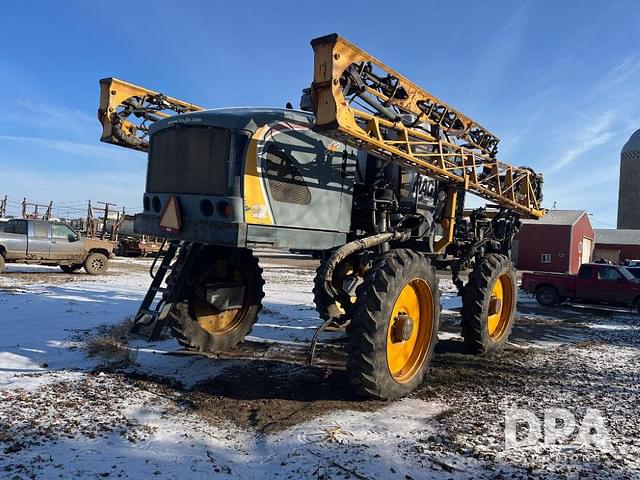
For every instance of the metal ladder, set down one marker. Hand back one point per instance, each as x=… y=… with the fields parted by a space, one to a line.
x=158 y=312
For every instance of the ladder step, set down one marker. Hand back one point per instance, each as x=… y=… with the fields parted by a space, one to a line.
x=172 y=266
x=153 y=313
x=159 y=289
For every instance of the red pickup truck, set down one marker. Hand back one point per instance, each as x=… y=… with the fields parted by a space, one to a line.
x=594 y=283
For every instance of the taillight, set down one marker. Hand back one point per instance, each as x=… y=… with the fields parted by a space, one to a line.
x=224 y=209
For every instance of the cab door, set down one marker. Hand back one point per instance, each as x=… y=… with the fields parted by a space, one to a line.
x=64 y=242
x=306 y=178
x=605 y=286
x=38 y=248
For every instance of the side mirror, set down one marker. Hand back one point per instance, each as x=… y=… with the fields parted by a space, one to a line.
x=72 y=237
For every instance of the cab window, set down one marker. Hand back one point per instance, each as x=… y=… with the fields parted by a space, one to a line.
x=59 y=230
x=585 y=273
x=18 y=227
x=608 y=274
x=40 y=230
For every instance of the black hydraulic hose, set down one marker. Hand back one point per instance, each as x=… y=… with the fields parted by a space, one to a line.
x=373 y=101
x=355 y=246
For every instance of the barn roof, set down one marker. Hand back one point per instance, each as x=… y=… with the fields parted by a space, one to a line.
x=558 y=217
x=611 y=236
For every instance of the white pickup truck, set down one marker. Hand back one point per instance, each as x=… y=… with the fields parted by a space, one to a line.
x=52 y=243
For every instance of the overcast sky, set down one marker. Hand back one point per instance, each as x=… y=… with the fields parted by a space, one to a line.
x=558 y=82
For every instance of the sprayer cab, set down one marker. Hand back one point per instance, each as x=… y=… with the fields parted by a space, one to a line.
x=246 y=177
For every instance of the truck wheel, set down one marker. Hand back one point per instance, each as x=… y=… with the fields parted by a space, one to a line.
x=489 y=304
x=199 y=325
x=96 y=264
x=547 y=296
x=70 y=268
x=394 y=326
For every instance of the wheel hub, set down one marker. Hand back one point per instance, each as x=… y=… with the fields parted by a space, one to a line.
x=495 y=305
x=224 y=308
x=409 y=334
x=402 y=328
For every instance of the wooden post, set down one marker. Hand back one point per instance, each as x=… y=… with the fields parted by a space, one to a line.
x=90 y=230
x=105 y=218
x=47 y=214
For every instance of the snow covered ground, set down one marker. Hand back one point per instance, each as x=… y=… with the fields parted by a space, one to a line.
x=140 y=413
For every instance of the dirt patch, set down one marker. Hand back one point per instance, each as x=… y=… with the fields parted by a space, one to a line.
x=89 y=407
x=271 y=396
x=33 y=274
x=263 y=396
x=30 y=278
x=110 y=344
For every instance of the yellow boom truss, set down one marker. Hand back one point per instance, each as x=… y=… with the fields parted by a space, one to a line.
x=126 y=111
x=359 y=100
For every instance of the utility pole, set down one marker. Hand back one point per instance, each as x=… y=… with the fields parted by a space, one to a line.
x=3 y=207
x=106 y=216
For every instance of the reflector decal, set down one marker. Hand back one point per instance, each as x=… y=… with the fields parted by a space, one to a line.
x=170 y=219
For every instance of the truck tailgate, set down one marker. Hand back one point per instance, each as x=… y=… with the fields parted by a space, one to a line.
x=565 y=283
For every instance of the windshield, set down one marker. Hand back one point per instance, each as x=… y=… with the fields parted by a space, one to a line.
x=634 y=271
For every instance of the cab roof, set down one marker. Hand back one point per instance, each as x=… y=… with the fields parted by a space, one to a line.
x=236 y=118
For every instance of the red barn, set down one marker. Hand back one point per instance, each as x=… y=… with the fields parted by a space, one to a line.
x=561 y=241
x=617 y=245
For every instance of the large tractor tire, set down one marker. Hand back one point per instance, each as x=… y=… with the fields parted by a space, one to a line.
x=489 y=304
x=197 y=324
x=394 y=326
x=96 y=264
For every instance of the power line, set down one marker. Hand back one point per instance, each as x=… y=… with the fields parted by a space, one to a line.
x=601 y=222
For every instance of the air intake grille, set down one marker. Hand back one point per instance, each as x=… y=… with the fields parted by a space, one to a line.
x=189 y=159
x=285 y=182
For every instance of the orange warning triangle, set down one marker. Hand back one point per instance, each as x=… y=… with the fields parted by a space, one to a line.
x=170 y=219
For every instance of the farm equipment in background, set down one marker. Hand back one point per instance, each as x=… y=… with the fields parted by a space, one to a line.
x=373 y=171
x=138 y=246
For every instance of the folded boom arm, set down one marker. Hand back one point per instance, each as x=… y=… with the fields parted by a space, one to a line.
x=359 y=100
x=127 y=110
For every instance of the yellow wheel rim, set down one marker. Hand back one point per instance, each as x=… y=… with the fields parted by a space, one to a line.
x=213 y=321
x=408 y=346
x=500 y=306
